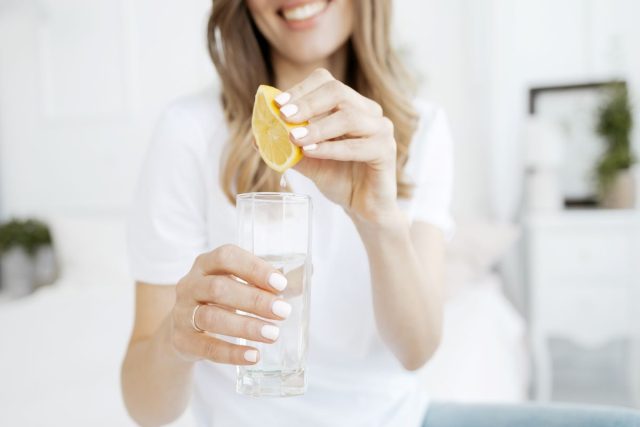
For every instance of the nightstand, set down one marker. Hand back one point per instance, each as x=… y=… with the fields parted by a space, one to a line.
x=583 y=270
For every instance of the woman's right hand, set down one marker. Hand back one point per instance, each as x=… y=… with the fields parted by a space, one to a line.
x=211 y=287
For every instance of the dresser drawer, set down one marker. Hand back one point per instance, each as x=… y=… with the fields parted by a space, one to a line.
x=588 y=315
x=572 y=256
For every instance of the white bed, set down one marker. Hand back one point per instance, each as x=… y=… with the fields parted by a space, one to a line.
x=61 y=347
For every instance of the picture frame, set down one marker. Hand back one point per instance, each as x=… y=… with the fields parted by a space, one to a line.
x=573 y=110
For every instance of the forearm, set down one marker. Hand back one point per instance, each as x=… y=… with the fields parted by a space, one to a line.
x=406 y=290
x=156 y=382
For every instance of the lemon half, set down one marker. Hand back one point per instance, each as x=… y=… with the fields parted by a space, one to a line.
x=272 y=133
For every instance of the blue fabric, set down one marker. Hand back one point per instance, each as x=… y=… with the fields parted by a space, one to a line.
x=528 y=415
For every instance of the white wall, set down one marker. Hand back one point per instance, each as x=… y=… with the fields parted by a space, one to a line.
x=81 y=84
x=443 y=42
x=551 y=42
x=479 y=57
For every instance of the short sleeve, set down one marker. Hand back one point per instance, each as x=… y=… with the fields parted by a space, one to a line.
x=430 y=168
x=167 y=222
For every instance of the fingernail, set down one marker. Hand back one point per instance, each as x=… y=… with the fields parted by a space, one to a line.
x=251 y=355
x=277 y=281
x=299 y=132
x=270 y=332
x=289 y=110
x=282 y=98
x=281 y=309
x=309 y=147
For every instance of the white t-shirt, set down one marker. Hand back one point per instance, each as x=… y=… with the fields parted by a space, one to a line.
x=180 y=211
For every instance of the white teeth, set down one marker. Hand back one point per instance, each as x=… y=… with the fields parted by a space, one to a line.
x=304 y=11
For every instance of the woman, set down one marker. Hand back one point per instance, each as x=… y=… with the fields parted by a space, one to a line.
x=378 y=168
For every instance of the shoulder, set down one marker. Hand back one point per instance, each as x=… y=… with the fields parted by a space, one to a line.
x=430 y=168
x=202 y=108
x=431 y=142
x=193 y=120
x=431 y=119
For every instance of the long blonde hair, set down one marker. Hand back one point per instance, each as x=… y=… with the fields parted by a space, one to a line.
x=241 y=55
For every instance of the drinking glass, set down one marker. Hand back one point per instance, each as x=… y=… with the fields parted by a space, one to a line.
x=277 y=228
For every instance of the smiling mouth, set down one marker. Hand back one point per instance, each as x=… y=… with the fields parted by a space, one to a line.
x=304 y=11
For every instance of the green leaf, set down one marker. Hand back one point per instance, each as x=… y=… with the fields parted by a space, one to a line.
x=28 y=234
x=615 y=122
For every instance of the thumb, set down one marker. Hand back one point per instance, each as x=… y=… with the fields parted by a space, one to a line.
x=308 y=167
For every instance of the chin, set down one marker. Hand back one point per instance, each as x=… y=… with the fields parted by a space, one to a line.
x=309 y=52
x=306 y=31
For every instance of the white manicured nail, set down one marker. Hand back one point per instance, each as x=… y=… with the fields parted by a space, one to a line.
x=300 y=132
x=283 y=98
x=277 y=281
x=251 y=355
x=310 y=147
x=289 y=110
x=270 y=332
x=281 y=309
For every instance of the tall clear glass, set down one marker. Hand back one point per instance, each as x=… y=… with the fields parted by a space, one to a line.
x=277 y=228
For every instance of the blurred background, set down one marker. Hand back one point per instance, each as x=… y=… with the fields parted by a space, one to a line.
x=544 y=270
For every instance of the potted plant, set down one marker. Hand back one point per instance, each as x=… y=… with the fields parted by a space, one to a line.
x=26 y=256
x=613 y=171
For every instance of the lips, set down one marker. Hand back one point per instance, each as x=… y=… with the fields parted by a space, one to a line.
x=303 y=12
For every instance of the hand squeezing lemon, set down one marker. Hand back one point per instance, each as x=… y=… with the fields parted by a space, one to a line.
x=272 y=132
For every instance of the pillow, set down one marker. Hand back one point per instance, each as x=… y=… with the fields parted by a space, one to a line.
x=475 y=249
x=483 y=356
x=90 y=249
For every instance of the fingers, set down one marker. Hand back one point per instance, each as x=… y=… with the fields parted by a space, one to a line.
x=319 y=101
x=314 y=81
x=330 y=96
x=341 y=123
x=351 y=150
x=220 y=321
x=356 y=150
x=373 y=150
x=215 y=349
x=230 y=259
x=225 y=291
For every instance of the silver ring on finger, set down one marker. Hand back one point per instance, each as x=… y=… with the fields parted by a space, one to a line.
x=193 y=319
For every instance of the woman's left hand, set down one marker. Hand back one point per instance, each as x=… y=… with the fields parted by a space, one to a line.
x=349 y=146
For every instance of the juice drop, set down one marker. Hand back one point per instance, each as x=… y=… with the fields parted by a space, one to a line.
x=283 y=182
